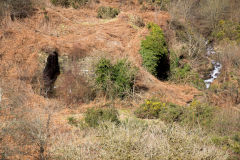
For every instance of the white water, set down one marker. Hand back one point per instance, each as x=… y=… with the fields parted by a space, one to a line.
x=0 y=95
x=217 y=66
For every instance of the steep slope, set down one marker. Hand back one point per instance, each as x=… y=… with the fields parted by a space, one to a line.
x=69 y=29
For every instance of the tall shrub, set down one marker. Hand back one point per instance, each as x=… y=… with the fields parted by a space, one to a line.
x=155 y=53
x=115 y=80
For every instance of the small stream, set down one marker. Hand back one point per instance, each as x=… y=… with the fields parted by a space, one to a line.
x=217 y=66
x=0 y=95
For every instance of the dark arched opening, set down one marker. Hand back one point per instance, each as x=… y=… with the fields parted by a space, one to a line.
x=50 y=74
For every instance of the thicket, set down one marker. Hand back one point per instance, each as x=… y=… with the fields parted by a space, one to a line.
x=154 y=52
x=115 y=80
x=157 y=4
x=17 y=8
x=24 y=126
x=192 y=115
x=220 y=124
x=227 y=30
x=67 y=3
x=183 y=73
x=205 y=15
x=107 y=12
x=63 y=3
x=136 y=139
x=202 y=114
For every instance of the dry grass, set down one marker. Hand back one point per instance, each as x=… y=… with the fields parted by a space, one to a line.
x=135 y=139
x=73 y=89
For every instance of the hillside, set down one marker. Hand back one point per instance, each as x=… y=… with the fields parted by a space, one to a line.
x=37 y=126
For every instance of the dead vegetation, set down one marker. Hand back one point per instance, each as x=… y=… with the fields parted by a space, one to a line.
x=34 y=127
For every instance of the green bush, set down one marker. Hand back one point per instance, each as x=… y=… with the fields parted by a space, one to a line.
x=196 y=113
x=115 y=80
x=172 y=113
x=152 y=109
x=154 y=52
x=96 y=115
x=107 y=12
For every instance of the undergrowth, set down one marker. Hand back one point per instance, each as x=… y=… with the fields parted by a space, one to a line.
x=227 y=31
x=184 y=73
x=220 y=125
x=195 y=114
x=136 y=139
